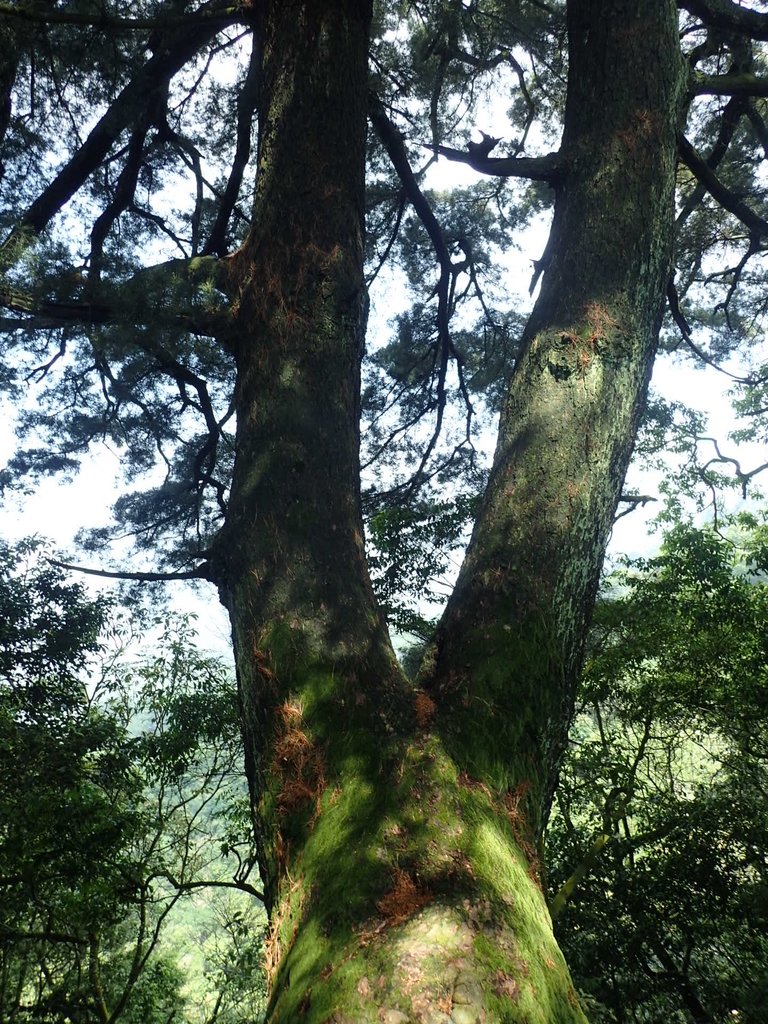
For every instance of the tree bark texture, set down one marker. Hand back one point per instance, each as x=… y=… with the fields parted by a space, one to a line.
x=397 y=825
x=511 y=642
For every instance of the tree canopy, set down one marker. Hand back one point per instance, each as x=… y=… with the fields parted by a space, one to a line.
x=118 y=212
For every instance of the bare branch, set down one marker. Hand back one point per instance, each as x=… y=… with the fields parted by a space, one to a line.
x=203 y=572
x=734 y=110
x=743 y=476
x=633 y=501
x=242 y=886
x=536 y=168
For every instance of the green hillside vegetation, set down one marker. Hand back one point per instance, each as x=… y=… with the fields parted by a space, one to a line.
x=125 y=865
x=659 y=844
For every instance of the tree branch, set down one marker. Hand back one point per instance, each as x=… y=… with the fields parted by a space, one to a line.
x=743 y=84
x=179 y=46
x=724 y=14
x=225 y=15
x=742 y=476
x=683 y=326
x=211 y=884
x=633 y=500
x=15 y=935
x=247 y=101
x=758 y=227
x=130 y=303
x=736 y=108
x=392 y=141
x=536 y=168
x=203 y=572
x=570 y=885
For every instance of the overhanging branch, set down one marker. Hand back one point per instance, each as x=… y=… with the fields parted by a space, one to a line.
x=724 y=14
x=743 y=476
x=758 y=227
x=202 y=572
x=736 y=108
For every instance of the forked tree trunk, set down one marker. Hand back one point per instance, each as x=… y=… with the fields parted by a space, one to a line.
x=397 y=828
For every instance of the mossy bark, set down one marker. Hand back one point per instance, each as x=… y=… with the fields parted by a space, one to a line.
x=291 y=558
x=396 y=827
x=510 y=644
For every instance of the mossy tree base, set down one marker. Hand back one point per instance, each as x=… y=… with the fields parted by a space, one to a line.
x=412 y=898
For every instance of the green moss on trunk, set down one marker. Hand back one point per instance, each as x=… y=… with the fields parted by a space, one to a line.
x=412 y=900
x=511 y=641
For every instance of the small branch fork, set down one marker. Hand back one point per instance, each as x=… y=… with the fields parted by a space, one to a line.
x=742 y=476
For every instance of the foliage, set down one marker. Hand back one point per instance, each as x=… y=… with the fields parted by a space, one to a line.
x=120 y=788
x=669 y=768
x=411 y=550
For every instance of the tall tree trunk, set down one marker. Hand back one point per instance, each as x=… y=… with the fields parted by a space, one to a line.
x=294 y=576
x=395 y=830
x=510 y=644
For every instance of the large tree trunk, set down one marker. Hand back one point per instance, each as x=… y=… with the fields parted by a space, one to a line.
x=511 y=641
x=397 y=830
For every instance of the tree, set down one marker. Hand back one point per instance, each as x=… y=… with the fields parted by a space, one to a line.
x=117 y=792
x=659 y=844
x=397 y=824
